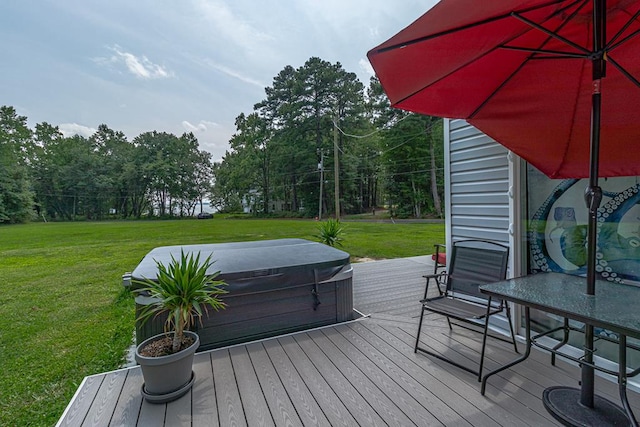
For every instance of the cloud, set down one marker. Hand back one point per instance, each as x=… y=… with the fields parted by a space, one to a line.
x=365 y=65
x=374 y=33
x=203 y=126
x=212 y=136
x=247 y=37
x=230 y=26
x=139 y=66
x=235 y=74
x=71 y=129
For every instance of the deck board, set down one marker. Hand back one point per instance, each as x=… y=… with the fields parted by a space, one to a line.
x=342 y=387
x=228 y=401
x=463 y=385
x=334 y=409
x=129 y=401
x=359 y=376
x=404 y=374
x=385 y=375
x=306 y=406
x=106 y=399
x=254 y=403
x=527 y=406
x=178 y=412
x=81 y=404
x=151 y=415
x=358 y=373
x=279 y=401
x=204 y=406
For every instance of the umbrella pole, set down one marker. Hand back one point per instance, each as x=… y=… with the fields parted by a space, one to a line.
x=568 y=405
x=593 y=197
x=593 y=194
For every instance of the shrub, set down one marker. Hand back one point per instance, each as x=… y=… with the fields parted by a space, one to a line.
x=331 y=232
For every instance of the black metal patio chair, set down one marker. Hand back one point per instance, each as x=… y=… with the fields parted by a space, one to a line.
x=472 y=263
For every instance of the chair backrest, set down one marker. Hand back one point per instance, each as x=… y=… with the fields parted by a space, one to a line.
x=474 y=263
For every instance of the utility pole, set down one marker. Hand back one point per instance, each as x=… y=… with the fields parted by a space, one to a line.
x=321 y=167
x=336 y=165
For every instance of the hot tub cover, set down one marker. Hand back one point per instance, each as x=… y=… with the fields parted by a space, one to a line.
x=257 y=265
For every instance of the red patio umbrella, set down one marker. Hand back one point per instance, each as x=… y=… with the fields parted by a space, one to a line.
x=555 y=81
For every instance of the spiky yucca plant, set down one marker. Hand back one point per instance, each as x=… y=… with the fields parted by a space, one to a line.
x=184 y=290
x=331 y=232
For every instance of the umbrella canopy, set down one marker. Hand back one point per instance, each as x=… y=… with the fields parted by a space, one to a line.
x=521 y=71
x=555 y=81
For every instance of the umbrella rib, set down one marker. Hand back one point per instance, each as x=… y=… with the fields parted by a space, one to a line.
x=623 y=71
x=550 y=33
x=554 y=53
x=635 y=33
x=612 y=43
x=544 y=30
x=573 y=116
x=462 y=28
x=504 y=82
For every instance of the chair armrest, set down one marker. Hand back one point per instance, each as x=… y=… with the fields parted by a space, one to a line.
x=439 y=247
x=439 y=278
x=439 y=257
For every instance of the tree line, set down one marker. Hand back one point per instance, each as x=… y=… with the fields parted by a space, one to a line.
x=47 y=175
x=283 y=157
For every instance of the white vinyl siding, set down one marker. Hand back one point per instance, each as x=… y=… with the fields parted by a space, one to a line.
x=482 y=193
x=477 y=181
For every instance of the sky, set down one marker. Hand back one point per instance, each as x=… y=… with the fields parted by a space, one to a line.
x=175 y=65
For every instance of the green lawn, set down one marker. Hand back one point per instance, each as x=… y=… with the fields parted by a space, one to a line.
x=67 y=316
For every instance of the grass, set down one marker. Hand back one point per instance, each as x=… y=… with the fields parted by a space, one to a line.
x=65 y=314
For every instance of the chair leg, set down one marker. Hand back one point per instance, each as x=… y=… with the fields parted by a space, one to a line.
x=513 y=335
x=415 y=349
x=449 y=322
x=484 y=339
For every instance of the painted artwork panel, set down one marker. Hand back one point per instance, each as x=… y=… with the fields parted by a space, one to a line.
x=557 y=228
x=557 y=217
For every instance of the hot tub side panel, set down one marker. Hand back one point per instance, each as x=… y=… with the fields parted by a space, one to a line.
x=264 y=314
x=344 y=299
x=258 y=315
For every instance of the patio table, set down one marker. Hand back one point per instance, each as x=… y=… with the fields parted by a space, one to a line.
x=564 y=295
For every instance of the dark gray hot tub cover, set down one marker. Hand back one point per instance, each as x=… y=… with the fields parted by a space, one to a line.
x=257 y=266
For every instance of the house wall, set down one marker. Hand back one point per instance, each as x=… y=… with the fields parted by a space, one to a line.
x=477 y=185
x=482 y=194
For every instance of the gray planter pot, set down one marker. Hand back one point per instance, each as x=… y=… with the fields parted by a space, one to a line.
x=167 y=378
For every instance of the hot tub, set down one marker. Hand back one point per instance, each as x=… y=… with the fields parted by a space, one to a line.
x=275 y=287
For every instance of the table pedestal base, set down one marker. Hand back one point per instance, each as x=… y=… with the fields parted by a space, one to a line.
x=564 y=404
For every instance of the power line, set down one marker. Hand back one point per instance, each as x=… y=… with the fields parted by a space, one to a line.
x=369 y=134
x=406 y=141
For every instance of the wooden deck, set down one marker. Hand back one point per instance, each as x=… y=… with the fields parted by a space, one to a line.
x=360 y=373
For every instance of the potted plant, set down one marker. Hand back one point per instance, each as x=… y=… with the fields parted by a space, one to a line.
x=184 y=292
